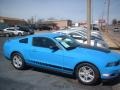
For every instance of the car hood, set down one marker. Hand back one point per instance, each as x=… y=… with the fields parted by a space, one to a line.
x=100 y=49
x=95 y=54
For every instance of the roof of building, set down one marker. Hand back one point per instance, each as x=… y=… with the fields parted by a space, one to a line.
x=9 y=18
x=58 y=20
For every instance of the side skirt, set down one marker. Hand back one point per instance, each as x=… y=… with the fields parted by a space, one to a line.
x=51 y=67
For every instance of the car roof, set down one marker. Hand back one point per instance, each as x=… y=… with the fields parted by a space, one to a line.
x=49 y=35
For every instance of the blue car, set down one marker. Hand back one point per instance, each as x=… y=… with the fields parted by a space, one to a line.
x=62 y=53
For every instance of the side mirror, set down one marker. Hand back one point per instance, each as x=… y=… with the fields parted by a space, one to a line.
x=54 y=48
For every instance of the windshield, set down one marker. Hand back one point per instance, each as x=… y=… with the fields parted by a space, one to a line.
x=67 y=42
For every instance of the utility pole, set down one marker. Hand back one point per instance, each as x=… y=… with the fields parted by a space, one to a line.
x=103 y=16
x=88 y=21
x=108 y=11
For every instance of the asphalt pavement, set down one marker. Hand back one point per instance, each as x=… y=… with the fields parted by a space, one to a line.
x=112 y=39
x=115 y=36
x=39 y=79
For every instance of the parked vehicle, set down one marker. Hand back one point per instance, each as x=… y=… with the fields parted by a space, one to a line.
x=6 y=34
x=3 y=26
x=62 y=53
x=97 y=36
x=95 y=29
x=44 y=27
x=81 y=37
x=116 y=29
x=14 y=31
x=32 y=26
x=94 y=32
x=26 y=29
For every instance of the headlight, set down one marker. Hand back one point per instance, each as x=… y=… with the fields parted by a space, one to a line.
x=113 y=64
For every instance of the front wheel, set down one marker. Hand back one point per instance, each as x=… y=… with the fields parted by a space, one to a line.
x=19 y=34
x=18 y=61
x=7 y=35
x=87 y=74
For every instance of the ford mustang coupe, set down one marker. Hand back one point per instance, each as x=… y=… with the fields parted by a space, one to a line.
x=62 y=53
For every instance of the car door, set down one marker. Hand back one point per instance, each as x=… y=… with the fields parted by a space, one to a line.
x=43 y=54
x=12 y=30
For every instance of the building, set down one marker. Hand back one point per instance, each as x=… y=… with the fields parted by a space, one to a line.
x=12 y=21
x=63 y=23
x=56 y=24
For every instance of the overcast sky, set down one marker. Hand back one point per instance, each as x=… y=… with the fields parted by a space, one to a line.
x=59 y=9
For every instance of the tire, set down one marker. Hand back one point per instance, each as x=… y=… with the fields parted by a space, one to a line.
x=19 y=34
x=87 y=74
x=7 y=35
x=18 y=61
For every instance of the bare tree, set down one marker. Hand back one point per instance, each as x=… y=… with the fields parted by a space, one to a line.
x=39 y=21
x=31 y=20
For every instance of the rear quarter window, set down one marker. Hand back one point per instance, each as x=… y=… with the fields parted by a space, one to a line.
x=25 y=40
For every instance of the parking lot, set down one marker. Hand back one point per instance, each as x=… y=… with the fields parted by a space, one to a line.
x=38 y=79
x=115 y=37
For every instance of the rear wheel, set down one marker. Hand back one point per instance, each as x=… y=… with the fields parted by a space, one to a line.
x=7 y=35
x=87 y=74
x=19 y=34
x=18 y=61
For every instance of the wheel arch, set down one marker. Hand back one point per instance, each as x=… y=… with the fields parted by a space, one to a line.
x=20 y=33
x=23 y=66
x=85 y=62
x=14 y=53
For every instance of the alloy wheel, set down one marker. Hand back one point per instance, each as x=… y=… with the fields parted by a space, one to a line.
x=17 y=61
x=86 y=74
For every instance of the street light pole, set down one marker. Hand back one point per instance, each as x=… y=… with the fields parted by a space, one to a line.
x=88 y=21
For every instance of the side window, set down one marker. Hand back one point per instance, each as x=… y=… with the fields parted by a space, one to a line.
x=11 y=29
x=49 y=43
x=25 y=40
x=37 y=41
x=43 y=42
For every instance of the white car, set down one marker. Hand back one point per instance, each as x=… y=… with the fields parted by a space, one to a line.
x=14 y=31
x=84 y=31
x=116 y=29
x=96 y=32
x=82 y=38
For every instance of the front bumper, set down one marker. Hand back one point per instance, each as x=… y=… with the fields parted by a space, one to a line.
x=111 y=75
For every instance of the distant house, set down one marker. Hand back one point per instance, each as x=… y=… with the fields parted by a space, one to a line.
x=63 y=23
x=12 y=21
x=57 y=24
